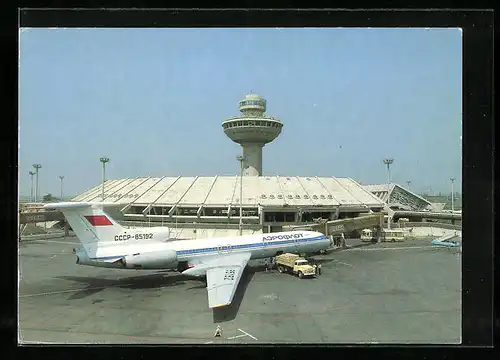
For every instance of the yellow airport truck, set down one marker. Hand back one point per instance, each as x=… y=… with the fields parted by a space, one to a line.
x=295 y=264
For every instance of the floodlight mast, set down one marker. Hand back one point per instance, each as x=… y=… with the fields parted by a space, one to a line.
x=37 y=189
x=452 y=194
x=388 y=162
x=103 y=160
x=62 y=178
x=241 y=159
x=31 y=190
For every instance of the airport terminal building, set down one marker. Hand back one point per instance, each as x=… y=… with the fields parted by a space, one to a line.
x=212 y=203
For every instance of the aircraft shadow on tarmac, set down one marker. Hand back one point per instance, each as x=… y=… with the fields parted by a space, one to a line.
x=95 y=285
x=228 y=313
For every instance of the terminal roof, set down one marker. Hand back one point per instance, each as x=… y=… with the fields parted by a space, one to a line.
x=270 y=191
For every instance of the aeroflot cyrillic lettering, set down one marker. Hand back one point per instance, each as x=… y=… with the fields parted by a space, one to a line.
x=283 y=237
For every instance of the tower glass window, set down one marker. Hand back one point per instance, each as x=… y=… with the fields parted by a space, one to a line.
x=253 y=102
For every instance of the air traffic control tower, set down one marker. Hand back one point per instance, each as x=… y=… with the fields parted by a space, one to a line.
x=252 y=130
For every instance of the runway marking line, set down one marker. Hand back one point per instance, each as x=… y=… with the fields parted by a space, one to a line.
x=234 y=337
x=71 y=290
x=44 y=327
x=327 y=309
x=244 y=332
x=343 y=263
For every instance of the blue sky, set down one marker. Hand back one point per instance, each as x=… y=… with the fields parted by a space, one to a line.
x=153 y=101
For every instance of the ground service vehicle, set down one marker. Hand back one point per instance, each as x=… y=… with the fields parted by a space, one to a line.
x=294 y=264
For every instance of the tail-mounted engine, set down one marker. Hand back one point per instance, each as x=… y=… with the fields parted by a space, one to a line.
x=81 y=256
x=166 y=259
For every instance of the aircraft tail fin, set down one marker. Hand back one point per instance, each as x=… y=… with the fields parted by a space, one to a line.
x=90 y=223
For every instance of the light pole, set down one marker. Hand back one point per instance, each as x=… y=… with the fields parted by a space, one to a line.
x=452 y=195
x=388 y=162
x=409 y=183
x=31 y=191
x=241 y=159
x=37 y=166
x=103 y=160
x=62 y=178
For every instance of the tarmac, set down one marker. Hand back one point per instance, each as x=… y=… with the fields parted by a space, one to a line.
x=407 y=292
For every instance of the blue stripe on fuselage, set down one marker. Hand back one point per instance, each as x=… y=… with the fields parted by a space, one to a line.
x=253 y=245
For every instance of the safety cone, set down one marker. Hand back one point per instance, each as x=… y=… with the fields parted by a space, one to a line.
x=218 y=332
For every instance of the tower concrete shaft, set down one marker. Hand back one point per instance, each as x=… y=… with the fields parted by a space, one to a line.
x=252 y=153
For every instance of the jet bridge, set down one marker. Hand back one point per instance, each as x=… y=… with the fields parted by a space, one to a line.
x=337 y=227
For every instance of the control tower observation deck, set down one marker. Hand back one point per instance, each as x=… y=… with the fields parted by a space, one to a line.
x=252 y=130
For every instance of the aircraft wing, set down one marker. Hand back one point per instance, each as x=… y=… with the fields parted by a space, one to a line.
x=223 y=277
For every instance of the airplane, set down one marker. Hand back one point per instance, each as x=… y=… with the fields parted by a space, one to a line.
x=105 y=243
x=448 y=242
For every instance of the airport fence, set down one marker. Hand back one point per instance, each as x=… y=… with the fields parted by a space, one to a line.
x=32 y=231
x=45 y=236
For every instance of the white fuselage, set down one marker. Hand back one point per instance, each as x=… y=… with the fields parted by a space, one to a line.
x=259 y=246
